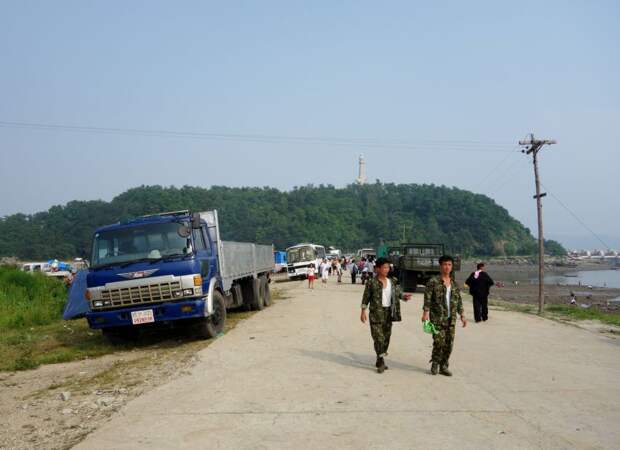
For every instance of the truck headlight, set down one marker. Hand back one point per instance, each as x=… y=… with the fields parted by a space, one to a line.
x=177 y=294
x=97 y=303
x=187 y=292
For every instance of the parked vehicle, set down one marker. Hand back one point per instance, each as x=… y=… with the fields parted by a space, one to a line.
x=366 y=252
x=334 y=253
x=172 y=269
x=51 y=268
x=280 y=261
x=301 y=256
x=416 y=263
x=35 y=267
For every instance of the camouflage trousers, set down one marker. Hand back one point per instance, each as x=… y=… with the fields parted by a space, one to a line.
x=442 y=344
x=381 y=333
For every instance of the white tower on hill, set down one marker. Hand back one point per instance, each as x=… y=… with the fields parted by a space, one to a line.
x=361 y=178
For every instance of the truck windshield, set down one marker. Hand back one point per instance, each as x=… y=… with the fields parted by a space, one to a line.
x=142 y=242
x=300 y=254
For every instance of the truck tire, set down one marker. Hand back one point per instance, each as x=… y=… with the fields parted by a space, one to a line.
x=258 y=301
x=237 y=294
x=266 y=291
x=211 y=326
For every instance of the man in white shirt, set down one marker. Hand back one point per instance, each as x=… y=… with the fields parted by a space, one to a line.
x=382 y=296
x=442 y=303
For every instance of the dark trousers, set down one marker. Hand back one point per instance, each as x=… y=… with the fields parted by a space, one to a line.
x=481 y=307
x=353 y=278
x=442 y=344
x=381 y=333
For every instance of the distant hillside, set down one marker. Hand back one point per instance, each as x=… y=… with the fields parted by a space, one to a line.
x=348 y=218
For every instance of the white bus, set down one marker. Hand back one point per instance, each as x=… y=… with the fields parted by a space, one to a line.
x=299 y=257
x=366 y=252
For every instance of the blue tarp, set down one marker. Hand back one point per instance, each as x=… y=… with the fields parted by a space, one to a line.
x=60 y=265
x=280 y=257
x=77 y=305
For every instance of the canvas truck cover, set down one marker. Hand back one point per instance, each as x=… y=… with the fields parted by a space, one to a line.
x=77 y=306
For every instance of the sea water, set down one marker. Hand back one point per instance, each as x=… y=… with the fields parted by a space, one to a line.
x=595 y=278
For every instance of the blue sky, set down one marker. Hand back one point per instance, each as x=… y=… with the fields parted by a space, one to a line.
x=458 y=82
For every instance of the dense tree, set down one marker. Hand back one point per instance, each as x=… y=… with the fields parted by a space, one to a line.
x=348 y=218
x=554 y=248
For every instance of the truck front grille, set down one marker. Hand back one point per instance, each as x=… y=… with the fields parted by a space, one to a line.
x=150 y=293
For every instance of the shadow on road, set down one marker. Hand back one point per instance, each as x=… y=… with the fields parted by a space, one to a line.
x=349 y=359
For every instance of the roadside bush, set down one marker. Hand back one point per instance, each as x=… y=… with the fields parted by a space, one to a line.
x=29 y=299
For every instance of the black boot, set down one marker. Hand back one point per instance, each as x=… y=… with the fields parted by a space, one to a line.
x=434 y=368
x=380 y=364
x=444 y=370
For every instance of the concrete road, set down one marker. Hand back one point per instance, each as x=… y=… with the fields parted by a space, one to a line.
x=300 y=375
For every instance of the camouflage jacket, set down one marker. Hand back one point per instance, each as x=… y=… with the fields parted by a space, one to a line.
x=373 y=296
x=435 y=301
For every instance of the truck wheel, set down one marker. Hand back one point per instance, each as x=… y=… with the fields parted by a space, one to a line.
x=258 y=302
x=266 y=292
x=211 y=326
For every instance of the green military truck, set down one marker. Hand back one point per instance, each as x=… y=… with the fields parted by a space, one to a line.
x=415 y=263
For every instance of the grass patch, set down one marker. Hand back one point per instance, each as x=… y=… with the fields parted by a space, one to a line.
x=518 y=307
x=33 y=333
x=28 y=300
x=562 y=312
x=23 y=349
x=577 y=313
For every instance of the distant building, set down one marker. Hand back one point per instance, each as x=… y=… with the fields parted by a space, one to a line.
x=361 y=177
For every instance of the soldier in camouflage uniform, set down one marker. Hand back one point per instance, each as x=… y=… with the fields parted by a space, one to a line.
x=442 y=303
x=382 y=296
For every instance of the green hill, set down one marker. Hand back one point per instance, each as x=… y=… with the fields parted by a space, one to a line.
x=348 y=218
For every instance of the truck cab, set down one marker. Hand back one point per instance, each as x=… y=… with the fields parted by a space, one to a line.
x=171 y=269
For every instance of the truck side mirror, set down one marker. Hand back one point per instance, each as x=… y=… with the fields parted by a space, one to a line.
x=195 y=221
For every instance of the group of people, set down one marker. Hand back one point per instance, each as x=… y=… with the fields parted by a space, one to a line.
x=442 y=305
x=364 y=268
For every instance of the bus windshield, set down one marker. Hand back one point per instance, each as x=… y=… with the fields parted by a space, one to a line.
x=300 y=254
x=142 y=242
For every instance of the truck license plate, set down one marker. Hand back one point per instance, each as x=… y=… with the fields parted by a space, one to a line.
x=138 y=317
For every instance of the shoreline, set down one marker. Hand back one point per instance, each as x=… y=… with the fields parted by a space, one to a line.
x=519 y=285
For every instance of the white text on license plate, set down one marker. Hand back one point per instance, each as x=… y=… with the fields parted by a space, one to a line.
x=138 y=317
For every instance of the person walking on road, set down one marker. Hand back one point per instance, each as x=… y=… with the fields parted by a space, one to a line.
x=339 y=270
x=479 y=283
x=442 y=303
x=382 y=296
x=353 y=271
x=311 y=276
x=325 y=272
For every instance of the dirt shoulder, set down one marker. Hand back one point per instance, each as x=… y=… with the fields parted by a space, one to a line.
x=57 y=405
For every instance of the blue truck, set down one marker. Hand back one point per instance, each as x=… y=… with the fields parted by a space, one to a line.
x=172 y=269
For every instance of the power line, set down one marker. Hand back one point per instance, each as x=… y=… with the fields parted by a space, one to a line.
x=583 y=224
x=495 y=168
x=440 y=145
x=500 y=179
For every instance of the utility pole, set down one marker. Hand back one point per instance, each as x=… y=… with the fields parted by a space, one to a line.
x=532 y=147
